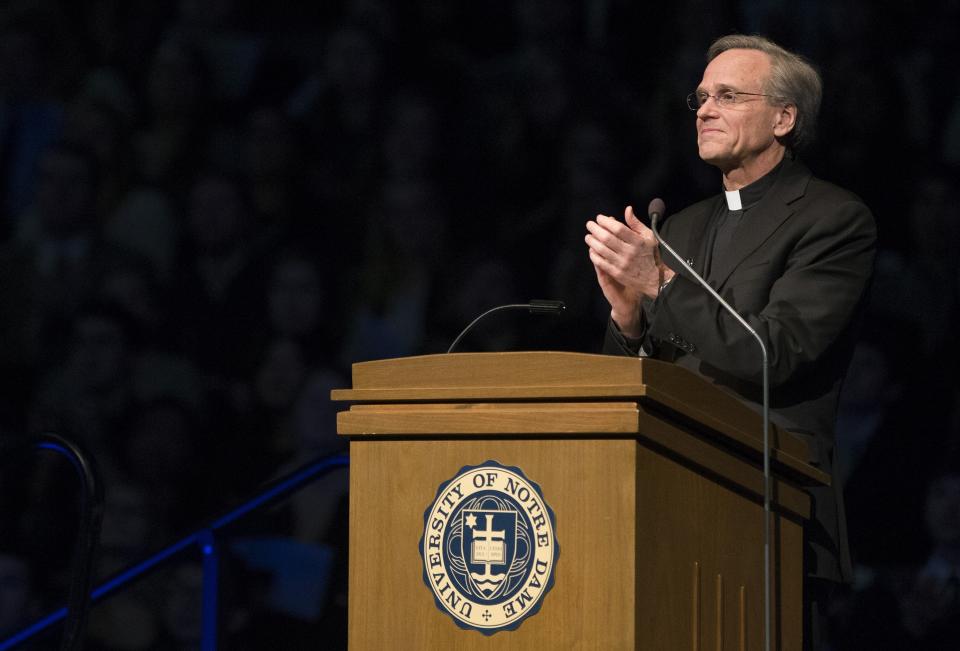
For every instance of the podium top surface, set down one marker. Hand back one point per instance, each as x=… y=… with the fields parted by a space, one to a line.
x=536 y=376
x=494 y=375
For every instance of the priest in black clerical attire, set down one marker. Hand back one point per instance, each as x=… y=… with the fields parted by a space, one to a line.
x=791 y=253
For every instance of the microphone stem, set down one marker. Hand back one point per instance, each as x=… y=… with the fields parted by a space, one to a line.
x=767 y=628
x=511 y=306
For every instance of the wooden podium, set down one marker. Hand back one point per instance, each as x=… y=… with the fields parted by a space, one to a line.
x=653 y=475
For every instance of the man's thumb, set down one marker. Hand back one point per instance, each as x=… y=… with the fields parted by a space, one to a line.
x=630 y=218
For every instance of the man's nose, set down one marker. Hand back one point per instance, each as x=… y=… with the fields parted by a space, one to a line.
x=707 y=108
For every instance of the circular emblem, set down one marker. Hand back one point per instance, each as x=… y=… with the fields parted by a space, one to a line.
x=489 y=547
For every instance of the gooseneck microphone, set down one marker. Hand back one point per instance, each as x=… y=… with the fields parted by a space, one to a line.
x=655 y=212
x=535 y=307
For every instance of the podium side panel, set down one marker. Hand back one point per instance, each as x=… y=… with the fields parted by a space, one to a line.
x=700 y=563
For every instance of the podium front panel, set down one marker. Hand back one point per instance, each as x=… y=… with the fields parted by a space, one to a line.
x=590 y=486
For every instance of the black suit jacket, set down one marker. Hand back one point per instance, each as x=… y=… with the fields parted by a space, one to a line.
x=798 y=272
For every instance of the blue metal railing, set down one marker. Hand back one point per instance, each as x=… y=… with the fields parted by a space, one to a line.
x=205 y=539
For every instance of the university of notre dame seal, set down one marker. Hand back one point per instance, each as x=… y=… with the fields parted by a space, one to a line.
x=489 y=547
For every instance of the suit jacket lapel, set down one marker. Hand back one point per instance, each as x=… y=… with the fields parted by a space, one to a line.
x=763 y=220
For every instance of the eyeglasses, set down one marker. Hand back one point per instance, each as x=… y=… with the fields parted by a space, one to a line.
x=726 y=98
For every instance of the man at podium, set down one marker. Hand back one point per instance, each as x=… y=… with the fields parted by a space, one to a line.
x=791 y=253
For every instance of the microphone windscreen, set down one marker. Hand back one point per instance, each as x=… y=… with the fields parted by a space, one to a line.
x=538 y=306
x=656 y=207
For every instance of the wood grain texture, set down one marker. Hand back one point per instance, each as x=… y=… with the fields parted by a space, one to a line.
x=558 y=376
x=465 y=370
x=630 y=525
x=710 y=456
x=588 y=484
x=687 y=519
x=486 y=418
x=649 y=470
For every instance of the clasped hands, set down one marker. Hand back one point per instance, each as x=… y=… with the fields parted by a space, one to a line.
x=627 y=261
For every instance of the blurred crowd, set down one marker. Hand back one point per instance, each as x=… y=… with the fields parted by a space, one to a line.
x=210 y=208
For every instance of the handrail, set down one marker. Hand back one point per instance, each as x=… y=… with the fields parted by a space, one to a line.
x=91 y=516
x=204 y=539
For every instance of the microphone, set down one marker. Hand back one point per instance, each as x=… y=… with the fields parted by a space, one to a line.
x=534 y=306
x=655 y=211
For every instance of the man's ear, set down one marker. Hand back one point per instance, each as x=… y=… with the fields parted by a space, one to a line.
x=786 y=120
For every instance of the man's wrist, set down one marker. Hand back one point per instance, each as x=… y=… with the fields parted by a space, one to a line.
x=630 y=326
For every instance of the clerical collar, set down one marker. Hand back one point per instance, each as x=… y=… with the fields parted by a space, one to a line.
x=750 y=195
x=733 y=200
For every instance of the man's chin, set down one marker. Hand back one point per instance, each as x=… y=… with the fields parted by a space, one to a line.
x=713 y=155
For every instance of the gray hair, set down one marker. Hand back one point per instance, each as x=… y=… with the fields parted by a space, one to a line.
x=793 y=80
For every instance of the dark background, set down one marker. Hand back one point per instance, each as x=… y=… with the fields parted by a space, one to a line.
x=209 y=210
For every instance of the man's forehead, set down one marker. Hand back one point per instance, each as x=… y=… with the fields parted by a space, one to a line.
x=741 y=69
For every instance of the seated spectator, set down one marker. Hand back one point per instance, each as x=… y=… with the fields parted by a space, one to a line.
x=913 y=607
x=273 y=162
x=19 y=598
x=299 y=302
x=89 y=397
x=31 y=115
x=398 y=283
x=165 y=452
x=219 y=277
x=930 y=610
x=169 y=139
x=130 y=531
x=57 y=259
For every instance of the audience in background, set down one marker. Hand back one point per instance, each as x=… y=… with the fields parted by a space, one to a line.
x=209 y=210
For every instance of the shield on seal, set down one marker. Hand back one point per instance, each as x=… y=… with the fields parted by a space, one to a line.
x=489 y=547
